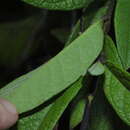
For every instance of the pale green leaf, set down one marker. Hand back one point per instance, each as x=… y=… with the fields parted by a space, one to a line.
x=96 y=69
x=36 y=87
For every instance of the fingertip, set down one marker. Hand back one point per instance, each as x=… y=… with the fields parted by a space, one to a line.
x=8 y=114
x=8 y=106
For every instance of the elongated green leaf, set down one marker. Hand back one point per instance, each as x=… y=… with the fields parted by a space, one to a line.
x=38 y=86
x=32 y=122
x=110 y=52
x=59 y=4
x=101 y=116
x=77 y=114
x=122 y=28
x=79 y=104
x=59 y=106
x=116 y=93
x=121 y=74
x=96 y=69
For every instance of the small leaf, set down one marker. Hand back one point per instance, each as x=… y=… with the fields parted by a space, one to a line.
x=96 y=69
x=77 y=114
x=59 y=106
x=59 y=4
x=36 y=87
x=122 y=29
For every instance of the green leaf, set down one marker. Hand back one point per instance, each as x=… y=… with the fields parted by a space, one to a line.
x=77 y=114
x=32 y=122
x=59 y=4
x=122 y=75
x=79 y=103
x=91 y=16
x=59 y=106
x=36 y=87
x=110 y=52
x=118 y=96
x=96 y=69
x=122 y=29
x=116 y=93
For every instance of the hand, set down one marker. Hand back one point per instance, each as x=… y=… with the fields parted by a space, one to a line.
x=8 y=114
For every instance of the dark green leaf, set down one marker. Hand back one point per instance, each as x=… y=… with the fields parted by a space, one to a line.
x=116 y=93
x=101 y=115
x=59 y=4
x=122 y=28
x=121 y=74
x=77 y=114
x=89 y=18
x=118 y=96
x=16 y=40
x=61 y=34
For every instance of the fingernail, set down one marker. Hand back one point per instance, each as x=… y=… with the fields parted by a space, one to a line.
x=9 y=107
